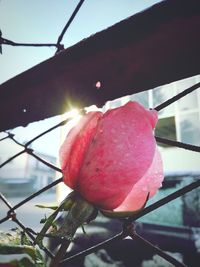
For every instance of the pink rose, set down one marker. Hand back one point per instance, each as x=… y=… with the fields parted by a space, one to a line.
x=111 y=159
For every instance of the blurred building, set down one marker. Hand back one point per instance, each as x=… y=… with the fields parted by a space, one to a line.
x=24 y=169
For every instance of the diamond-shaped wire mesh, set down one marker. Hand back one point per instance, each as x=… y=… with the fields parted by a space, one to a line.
x=127 y=229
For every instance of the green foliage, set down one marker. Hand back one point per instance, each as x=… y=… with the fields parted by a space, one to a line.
x=17 y=243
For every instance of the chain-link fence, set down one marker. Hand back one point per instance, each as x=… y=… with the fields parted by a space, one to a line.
x=128 y=224
x=128 y=229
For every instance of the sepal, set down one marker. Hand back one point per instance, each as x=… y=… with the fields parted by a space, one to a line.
x=123 y=214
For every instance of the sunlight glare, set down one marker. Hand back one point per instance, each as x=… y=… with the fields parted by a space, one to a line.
x=71 y=114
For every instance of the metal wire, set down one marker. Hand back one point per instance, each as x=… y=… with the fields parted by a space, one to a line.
x=177 y=144
x=177 y=97
x=58 y=45
x=4 y=41
x=12 y=210
x=128 y=226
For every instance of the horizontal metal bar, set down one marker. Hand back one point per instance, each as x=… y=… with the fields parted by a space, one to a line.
x=134 y=55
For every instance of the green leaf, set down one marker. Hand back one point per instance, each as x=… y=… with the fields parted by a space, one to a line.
x=50 y=221
x=17 y=243
x=52 y=207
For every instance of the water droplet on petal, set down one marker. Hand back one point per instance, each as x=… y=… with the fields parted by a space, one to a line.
x=98 y=84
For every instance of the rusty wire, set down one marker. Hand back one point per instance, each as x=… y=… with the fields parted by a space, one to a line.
x=127 y=224
x=128 y=229
x=57 y=45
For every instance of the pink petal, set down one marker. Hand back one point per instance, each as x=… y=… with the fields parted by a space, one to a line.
x=153 y=117
x=120 y=153
x=150 y=182
x=72 y=151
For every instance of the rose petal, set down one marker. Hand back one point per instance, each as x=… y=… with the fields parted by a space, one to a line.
x=119 y=155
x=149 y=183
x=153 y=117
x=72 y=151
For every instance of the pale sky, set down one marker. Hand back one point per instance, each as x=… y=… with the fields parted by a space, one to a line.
x=41 y=21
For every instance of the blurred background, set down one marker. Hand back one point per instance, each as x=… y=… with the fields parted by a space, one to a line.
x=41 y=22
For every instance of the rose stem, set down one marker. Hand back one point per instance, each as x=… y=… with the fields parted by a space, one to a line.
x=61 y=252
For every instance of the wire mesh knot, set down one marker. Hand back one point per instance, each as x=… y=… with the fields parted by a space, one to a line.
x=12 y=215
x=129 y=228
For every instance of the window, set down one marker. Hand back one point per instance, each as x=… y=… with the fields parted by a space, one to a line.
x=188 y=102
x=190 y=128
x=180 y=120
x=161 y=94
x=166 y=128
x=142 y=98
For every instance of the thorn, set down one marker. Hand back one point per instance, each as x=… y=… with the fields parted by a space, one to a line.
x=83 y=229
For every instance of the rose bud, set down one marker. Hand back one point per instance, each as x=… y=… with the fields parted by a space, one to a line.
x=111 y=159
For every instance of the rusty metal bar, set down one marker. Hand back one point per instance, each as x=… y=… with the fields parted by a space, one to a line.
x=151 y=48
